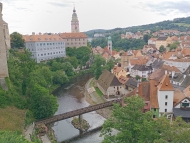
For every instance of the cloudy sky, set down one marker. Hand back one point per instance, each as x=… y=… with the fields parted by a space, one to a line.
x=27 y=16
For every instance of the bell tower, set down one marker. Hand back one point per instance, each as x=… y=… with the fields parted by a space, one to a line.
x=110 y=44
x=74 y=22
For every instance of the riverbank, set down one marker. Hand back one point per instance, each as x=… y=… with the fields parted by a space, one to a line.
x=93 y=99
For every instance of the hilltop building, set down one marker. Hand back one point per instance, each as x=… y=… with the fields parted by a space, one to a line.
x=75 y=38
x=3 y=47
x=45 y=46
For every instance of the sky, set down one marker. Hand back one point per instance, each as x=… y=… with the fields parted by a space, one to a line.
x=27 y=16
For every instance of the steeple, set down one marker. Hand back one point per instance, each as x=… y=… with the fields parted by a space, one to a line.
x=74 y=22
x=110 y=44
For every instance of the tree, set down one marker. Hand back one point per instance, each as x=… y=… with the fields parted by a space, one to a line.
x=129 y=124
x=43 y=104
x=60 y=77
x=110 y=65
x=16 y=40
x=146 y=37
x=162 y=49
x=73 y=61
x=97 y=66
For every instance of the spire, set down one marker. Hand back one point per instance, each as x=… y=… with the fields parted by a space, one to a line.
x=74 y=9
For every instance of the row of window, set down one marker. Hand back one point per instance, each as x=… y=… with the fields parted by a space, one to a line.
x=75 y=43
x=40 y=44
x=50 y=53
x=76 y=39
x=50 y=58
x=40 y=49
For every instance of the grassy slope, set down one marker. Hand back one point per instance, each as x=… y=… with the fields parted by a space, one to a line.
x=12 y=119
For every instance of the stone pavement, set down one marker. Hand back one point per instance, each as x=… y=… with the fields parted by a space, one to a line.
x=94 y=96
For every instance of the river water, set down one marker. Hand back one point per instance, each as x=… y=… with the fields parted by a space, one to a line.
x=71 y=99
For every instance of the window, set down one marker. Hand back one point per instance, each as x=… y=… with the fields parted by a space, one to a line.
x=154 y=116
x=44 y=44
x=165 y=110
x=41 y=54
x=154 y=109
x=166 y=96
x=166 y=103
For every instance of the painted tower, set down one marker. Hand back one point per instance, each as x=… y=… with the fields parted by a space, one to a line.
x=165 y=94
x=110 y=44
x=3 y=51
x=74 y=22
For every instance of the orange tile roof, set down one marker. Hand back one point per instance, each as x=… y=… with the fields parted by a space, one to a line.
x=157 y=75
x=42 y=38
x=153 y=94
x=117 y=69
x=144 y=90
x=123 y=79
x=165 y=84
x=73 y=35
x=186 y=51
x=174 y=38
x=114 y=53
x=178 y=96
x=138 y=61
x=170 y=68
x=187 y=91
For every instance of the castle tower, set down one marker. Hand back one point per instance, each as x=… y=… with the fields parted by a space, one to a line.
x=3 y=54
x=110 y=44
x=74 y=22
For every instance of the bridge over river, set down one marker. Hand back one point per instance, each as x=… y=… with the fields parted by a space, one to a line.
x=78 y=112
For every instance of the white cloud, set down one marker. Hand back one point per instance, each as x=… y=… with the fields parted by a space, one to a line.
x=26 y=16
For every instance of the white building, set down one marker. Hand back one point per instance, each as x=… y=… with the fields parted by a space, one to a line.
x=45 y=47
x=165 y=95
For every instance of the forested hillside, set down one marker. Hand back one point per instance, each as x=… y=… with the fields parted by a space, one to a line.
x=181 y=24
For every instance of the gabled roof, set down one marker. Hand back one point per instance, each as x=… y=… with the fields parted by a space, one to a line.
x=117 y=69
x=178 y=77
x=108 y=79
x=144 y=68
x=162 y=38
x=186 y=82
x=132 y=83
x=178 y=96
x=144 y=90
x=182 y=113
x=165 y=84
x=123 y=79
x=135 y=67
x=157 y=64
x=157 y=75
x=186 y=91
x=42 y=38
x=170 y=68
x=73 y=35
x=153 y=94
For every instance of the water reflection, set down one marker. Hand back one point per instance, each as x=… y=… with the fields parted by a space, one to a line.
x=72 y=99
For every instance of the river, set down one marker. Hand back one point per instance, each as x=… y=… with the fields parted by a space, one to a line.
x=71 y=99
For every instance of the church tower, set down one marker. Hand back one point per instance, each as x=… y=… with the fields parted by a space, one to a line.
x=110 y=44
x=74 y=22
x=3 y=51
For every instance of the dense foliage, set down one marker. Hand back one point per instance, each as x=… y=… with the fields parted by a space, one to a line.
x=16 y=40
x=129 y=124
x=11 y=137
x=118 y=43
x=181 y=24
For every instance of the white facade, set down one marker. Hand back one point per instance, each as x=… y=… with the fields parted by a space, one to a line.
x=185 y=101
x=42 y=51
x=181 y=65
x=152 y=42
x=165 y=102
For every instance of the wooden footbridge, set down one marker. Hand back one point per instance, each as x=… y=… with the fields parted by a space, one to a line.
x=78 y=112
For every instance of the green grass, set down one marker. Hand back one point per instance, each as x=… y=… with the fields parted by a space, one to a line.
x=98 y=91
x=182 y=24
x=12 y=119
x=92 y=83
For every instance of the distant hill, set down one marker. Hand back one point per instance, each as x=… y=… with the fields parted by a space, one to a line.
x=181 y=24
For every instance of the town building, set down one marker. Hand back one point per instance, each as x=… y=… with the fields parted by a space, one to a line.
x=163 y=41
x=118 y=71
x=75 y=38
x=45 y=46
x=3 y=47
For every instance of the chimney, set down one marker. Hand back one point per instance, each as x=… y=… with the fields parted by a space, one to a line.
x=33 y=33
x=173 y=73
x=166 y=72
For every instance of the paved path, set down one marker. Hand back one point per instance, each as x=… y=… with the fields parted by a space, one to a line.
x=94 y=96
x=45 y=139
x=29 y=132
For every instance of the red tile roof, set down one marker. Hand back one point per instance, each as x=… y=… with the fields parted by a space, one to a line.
x=165 y=84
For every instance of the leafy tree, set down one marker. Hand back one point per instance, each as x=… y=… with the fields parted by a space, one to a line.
x=16 y=40
x=110 y=65
x=74 y=62
x=162 y=49
x=12 y=137
x=146 y=37
x=68 y=68
x=174 y=45
x=97 y=66
x=60 y=77
x=129 y=124
x=43 y=104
